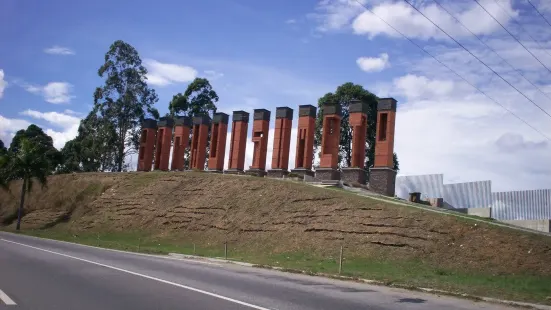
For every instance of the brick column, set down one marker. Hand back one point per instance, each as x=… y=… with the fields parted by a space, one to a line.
x=238 y=142
x=305 y=140
x=199 y=142
x=358 y=122
x=382 y=176
x=164 y=139
x=218 y=135
x=282 y=142
x=147 y=144
x=182 y=127
x=261 y=125
x=330 y=140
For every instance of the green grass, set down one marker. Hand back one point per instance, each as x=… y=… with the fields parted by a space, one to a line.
x=528 y=288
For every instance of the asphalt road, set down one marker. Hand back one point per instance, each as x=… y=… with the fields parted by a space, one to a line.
x=46 y=274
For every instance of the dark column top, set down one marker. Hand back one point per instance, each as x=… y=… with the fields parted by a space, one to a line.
x=331 y=109
x=386 y=104
x=357 y=106
x=183 y=121
x=201 y=120
x=284 y=112
x=220 y=118
x=165 y=122
x=307 y=110
x=261 y=114
x=149 y=123
x=240 y=116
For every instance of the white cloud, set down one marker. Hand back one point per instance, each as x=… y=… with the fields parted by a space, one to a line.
x=336 y=14
x=3 y=83
x=213 y=75
x=163 y=74
x=53 y=92
x=67 y=124
x=59 y=50
x=8 y=128
x=291 y=21
x=373 y=64
x=413 y=87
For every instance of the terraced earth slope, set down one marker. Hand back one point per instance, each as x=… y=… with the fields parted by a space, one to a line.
x=274 y=217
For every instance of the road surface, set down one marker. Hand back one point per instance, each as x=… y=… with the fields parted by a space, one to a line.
x=46 y=275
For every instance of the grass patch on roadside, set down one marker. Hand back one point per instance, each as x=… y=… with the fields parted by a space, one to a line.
x=527 y=288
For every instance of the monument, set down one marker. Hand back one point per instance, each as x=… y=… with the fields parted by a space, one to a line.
x=358 y=123
x=199 y=142
x=182 y=127
x=164 y=140
x=261 y=126
x=382 y=176
x=305 y=140
x=147 y=144
x=282 y=142
x=238 y=142
x=330 y=140
x=219 y=132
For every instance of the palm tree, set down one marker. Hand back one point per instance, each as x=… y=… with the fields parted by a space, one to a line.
x=27 y=164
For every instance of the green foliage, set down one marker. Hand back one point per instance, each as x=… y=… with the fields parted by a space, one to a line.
x=41 y=141
x=3 y=149
x=123 y=102
x=28 y=162
x=396 y=162
x=198 y=99
x=342 y=96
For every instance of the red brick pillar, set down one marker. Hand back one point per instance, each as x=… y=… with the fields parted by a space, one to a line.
x=238 y=143
x=164 y=139
x=282 y=142
x=358 y=122
x=182 y=128
x=305 y=140
x=261 y=125
x=147 y=144
x=199 y=142
x=218 y=135
x=330 y=140
x=382 y=176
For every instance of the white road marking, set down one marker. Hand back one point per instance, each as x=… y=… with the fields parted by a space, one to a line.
x=143 y=276
x=6 y=299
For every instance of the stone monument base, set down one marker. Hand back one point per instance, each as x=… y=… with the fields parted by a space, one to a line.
x=301 y=172
x=327 y=174
x=256 y=172
x=277 y=173
x=382 y=180
x=234 y=171
x=214 y=171
x=353 y=175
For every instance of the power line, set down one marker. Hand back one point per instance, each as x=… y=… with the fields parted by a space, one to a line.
x=482 y=62
x=447 y=67
x=513 y=19
x=542 y=16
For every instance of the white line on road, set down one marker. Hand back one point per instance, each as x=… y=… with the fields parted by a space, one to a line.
x=143 y=276
x=6 y=299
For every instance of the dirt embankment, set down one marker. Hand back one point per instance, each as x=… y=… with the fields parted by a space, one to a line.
x=275 y=216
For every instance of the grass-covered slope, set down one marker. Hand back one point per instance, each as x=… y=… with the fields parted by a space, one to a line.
x=291 y=225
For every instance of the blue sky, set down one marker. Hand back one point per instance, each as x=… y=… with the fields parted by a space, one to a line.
x=264 y=54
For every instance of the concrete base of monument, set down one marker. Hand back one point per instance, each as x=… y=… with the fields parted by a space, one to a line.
x=234 y=171
x=323 y=174
x=214 y=171
x=277 y=173
x=301 y=172
x=256 y=172
x=353 y=175
x=382 y=180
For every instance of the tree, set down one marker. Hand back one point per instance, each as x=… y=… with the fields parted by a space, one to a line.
x=3 y=149
x=342 y=96
x=125 y=99
x=198 y=99
x=41 y=140
x=26 y=163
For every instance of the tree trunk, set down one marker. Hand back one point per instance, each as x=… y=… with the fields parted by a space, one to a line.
x=20 y=211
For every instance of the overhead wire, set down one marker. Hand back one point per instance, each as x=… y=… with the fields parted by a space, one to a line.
x=482 y=62
x=542 y=16
x=450 y=69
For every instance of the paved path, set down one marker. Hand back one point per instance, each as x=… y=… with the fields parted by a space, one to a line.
x=46 y=274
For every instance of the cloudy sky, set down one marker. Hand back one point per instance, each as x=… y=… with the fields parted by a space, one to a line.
x=264 y=54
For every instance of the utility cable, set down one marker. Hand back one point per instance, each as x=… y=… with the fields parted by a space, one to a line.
x=482 y=62
x=542 y=16
x=447 y=67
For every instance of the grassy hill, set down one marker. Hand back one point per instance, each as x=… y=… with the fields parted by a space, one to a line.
x=287 y=224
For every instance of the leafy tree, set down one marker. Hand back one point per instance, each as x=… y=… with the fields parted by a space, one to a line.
x=3 y=149
x=125 y=99
x=198 y=99
x=43 y=142
x=28 y=162
x=342 y=96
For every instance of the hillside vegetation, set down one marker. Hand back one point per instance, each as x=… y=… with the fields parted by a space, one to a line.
x=261 y=218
